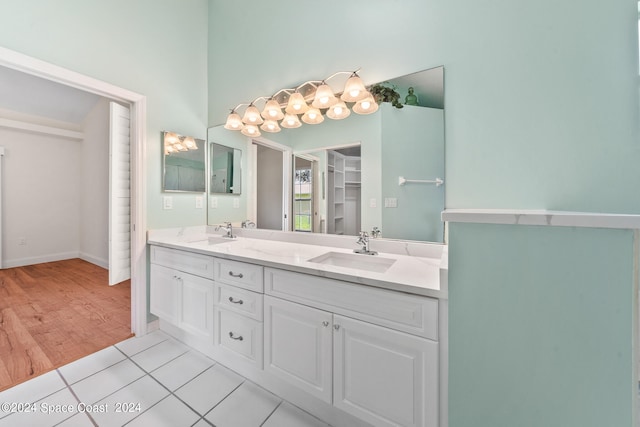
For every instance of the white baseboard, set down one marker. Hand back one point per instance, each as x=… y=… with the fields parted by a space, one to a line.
x=20 y=262
x=100 y=262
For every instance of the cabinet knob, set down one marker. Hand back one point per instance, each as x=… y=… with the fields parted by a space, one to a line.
x=238 y=338
x=239 y=275
x=325 y=323
x=232 y=301
x=336 y=327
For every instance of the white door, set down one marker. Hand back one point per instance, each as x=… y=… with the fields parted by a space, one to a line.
x=196 y=305
x=119 y=195
x=297 y=345
x=385 y=377
x=1 y=157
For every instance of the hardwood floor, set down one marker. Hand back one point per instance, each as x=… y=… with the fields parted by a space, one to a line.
x=57 y=312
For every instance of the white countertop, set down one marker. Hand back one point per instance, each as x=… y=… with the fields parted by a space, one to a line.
x=412 y=274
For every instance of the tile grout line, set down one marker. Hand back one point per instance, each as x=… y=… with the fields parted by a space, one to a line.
x=73 y=393
x=272 y=412
x=171 y=393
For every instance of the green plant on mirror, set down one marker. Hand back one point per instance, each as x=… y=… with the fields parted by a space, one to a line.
x=383 y=92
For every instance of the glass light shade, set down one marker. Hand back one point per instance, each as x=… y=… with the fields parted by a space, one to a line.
x=313 y=117
x=190 y=143
x=180 y=147
x=324 y=97
x=354 y=90
x=338 y=111
x=366 y=106
x=270 y=126
x=252 y=116
x=251 y=130
x=171 y=138
x=297 y=104
x=168 y=149
x=272 y=111
x=234 y=122
x=290 y=121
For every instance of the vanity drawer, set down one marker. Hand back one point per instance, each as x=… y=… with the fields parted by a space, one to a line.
x=238 y=300
x=238 y=334
x=197 y=264
x=241 y=274
x=415 y=314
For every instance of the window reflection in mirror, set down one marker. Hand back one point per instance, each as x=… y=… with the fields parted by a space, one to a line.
x=184 y=163
x=226 y=174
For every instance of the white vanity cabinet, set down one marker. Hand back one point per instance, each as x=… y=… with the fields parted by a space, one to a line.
x=181 y=289
x=238 y=329
x=320 y=337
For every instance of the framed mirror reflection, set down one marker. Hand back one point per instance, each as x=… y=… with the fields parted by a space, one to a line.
x=344 y=175
x=184 y=163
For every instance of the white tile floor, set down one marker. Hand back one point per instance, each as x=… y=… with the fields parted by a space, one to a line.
x=154 y=381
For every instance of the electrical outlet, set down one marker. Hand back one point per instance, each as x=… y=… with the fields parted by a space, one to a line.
x=167 y=202
x=213 y=202
x=373 y=203
x=236 y=203
x=199 y=202
x=22 y=241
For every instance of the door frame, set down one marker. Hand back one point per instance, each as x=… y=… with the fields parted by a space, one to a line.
x=287 y=180
x=138 y=106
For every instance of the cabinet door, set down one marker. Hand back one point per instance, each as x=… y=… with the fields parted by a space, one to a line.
x=163 y=293
x=298 y=345
x=385 y=377
x=196 y=305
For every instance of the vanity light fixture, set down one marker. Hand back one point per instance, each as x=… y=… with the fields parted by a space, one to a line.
x=354 y=89
x=324 y=97
x=310 y=101
x=338 y=111
x=250 y=130
x=290 y=121
x=366 y=106
x=313 y=116
x=270 y=126
x=174 y=143
x=252 y=116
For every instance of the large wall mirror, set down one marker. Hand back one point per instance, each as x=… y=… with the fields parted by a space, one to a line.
x=184 y=165
x=380 y=170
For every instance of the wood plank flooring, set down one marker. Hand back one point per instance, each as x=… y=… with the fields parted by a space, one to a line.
x=57 y=312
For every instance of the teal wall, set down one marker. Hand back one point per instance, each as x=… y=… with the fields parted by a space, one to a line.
x=413 y=147
x=156 y=48
x=540 y=326
x=541 y=103
x=541 y=112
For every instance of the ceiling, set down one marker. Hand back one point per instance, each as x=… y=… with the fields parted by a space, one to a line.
x=27 y=94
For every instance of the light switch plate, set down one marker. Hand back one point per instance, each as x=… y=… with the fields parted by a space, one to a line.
x=167 y=202
x=236 y=203
x=199 y=202
x=373 y=203
x=213 y=203
x=390 y=202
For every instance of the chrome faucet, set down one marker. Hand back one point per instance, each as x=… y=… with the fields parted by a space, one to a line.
x=247 y=223
x=375 y=233
x=363 y=240
x=228 y=228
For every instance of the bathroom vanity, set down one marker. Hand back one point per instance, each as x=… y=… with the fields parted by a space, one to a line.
x=353 y=339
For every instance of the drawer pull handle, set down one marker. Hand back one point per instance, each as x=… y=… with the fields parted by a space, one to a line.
x=325 y=323
x=232 y=301
x=239 y=275
x=336 y=327
x=235 y=338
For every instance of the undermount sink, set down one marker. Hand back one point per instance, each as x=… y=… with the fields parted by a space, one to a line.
x=355 y=261
x=214 y=240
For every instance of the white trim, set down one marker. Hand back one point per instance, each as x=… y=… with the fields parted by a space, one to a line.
x=47 y=130
x=542 y=217
x=138 y=106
